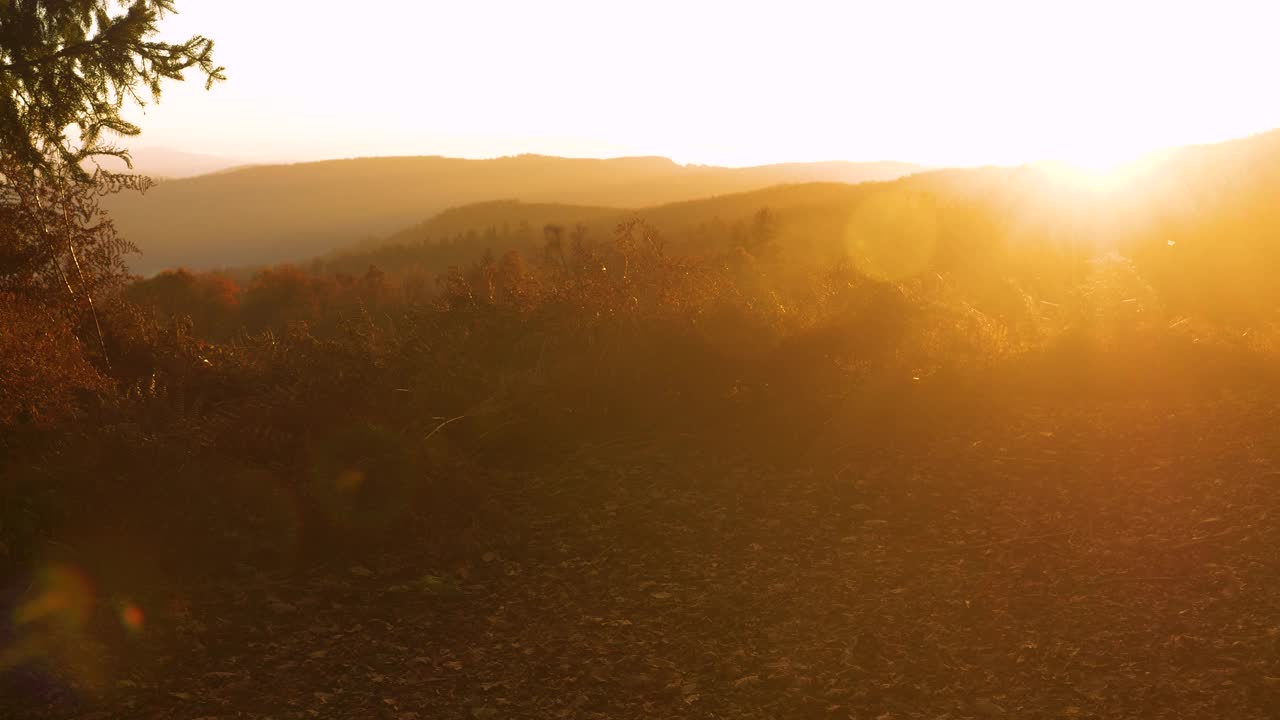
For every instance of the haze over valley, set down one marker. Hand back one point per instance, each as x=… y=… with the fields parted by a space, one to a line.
x=275 y=213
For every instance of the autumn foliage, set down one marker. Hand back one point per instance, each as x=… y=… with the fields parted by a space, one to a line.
x=365 y=399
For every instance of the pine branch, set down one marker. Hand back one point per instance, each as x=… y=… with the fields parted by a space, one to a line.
x=69 y=51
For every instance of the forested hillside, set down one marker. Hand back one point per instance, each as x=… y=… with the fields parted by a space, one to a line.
x=277 y=213
x=1198 y=223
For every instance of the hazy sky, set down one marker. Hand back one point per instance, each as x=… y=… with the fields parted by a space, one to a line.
x=723 y=82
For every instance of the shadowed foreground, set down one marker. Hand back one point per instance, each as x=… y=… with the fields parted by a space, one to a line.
x=1113 y=561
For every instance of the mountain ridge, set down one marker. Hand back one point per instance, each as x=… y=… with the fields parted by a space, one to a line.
x=273 y=213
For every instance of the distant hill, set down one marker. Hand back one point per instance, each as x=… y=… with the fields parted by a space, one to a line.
x=163 y=163
x=273 y=213
x=1201 y=224
x=459 y=234
x=810 y=217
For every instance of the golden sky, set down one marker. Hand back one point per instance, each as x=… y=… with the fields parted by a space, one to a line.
x=951 y=82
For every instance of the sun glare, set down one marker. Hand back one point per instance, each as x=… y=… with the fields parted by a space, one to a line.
x=1086 y=176
x=1101 y=169
x=1102 y=164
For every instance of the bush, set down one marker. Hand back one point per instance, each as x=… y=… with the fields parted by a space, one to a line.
x=45 y=377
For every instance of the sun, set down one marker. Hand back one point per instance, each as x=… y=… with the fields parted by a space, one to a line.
x=1097 y=166
x=1099 y=161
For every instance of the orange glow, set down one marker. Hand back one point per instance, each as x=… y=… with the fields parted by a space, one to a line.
x=349 y=481
x=131 y=617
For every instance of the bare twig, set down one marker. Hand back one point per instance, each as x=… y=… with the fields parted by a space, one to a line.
x=84 y=285
x=442 y=425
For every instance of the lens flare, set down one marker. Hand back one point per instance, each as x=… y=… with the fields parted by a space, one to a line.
x=892 y=236
x=349 y=481
x=51 y=627
x=132 y=617
x=64 y=599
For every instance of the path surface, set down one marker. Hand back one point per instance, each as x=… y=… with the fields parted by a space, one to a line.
x=1124 y=564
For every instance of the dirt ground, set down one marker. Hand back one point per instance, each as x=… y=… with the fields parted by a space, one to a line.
x=1085 y=562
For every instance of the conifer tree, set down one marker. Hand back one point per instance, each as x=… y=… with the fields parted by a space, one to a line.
x=72 y=66
x=77 y=63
